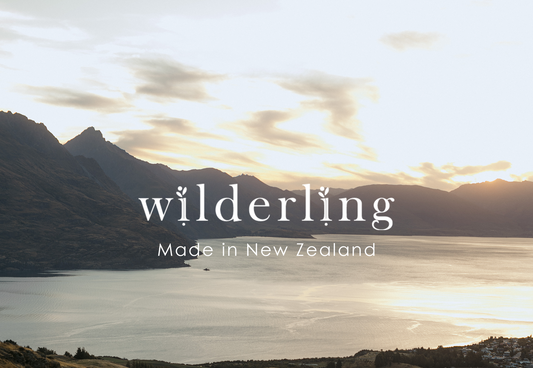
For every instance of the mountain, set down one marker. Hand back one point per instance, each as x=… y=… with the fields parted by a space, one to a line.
x=512 y=200
x=314 y=193
x=62 y=212
x=14 y=356
x=418 y=210
x=77 y=205
x=140 y=179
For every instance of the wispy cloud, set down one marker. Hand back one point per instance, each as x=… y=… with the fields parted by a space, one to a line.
x=363 y=177
x=6 y=54
x=9 y=35
x=441 y=177
x=164 y=79
x=177 y=141
x=338 y=96
x=180 y=126
x=367 y=153
x=521 y=177
x=436 y=177
x=56 y=34
x=472 y=170
x=68 y=97
x=244 y=160
x=402 y=41
x=262 y=126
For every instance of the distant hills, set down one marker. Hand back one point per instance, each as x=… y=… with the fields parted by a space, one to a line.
x=416 y=211
x=76 y=205
x=512 y=200
x=423 y=211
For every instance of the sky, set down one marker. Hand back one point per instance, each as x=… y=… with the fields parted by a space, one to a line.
x=336 y=93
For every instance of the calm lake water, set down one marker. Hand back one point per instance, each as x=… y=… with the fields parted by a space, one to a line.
x=415 y=291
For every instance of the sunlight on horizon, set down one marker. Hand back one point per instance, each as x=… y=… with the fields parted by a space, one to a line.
x=373 y=100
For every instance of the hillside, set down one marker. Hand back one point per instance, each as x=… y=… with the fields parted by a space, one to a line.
x=140 y=179
x=60 y=214
x=423 y=211
x=492 y=352
x=512 y=200
x=416 y=211
x=64 y=212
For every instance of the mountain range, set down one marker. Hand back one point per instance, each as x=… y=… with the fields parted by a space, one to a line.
x=140 y=179
x=62 y=212
x=77 y=205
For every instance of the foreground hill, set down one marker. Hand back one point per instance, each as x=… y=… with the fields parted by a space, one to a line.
x=491 y=353
x=58 y=212
x=15 y=356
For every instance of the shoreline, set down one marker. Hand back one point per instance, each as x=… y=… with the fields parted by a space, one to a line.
x=491 y=352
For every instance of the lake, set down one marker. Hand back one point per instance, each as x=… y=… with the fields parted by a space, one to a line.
x=414 y=291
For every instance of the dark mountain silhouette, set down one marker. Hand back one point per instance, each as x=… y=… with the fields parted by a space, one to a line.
x=513 y=200
x=314 y=194
x=422 y=211
x=61 y=212
x=140 y=179
x=416 y=211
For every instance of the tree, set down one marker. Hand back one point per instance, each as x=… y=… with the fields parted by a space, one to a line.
x=46 y=351
x=81 y=353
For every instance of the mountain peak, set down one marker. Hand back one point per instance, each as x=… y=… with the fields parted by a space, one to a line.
x=90 y=137
x=246 y=177
x=90 y=132
x=29 y=133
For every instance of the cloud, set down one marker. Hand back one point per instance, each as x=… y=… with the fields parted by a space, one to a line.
x=471 y=170
x=9 y=35
x=164 y=79
x=365 y=177
x=6 y=54
x=338 y=96
x=262 y=126
x=441 y=177
x=179 y=126
x=368 y=153
x=234 y=158
x=172 y=146
x=42 y=32
x=402 y=41
x=293 y=180
x=86 y=9
x=437 y=177
x=67 y=97
x=137 y=142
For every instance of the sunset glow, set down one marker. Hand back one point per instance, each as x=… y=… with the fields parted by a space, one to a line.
x=340 y=94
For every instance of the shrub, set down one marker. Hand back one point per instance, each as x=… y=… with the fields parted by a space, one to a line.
x=81 y=353
x=46 y=351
